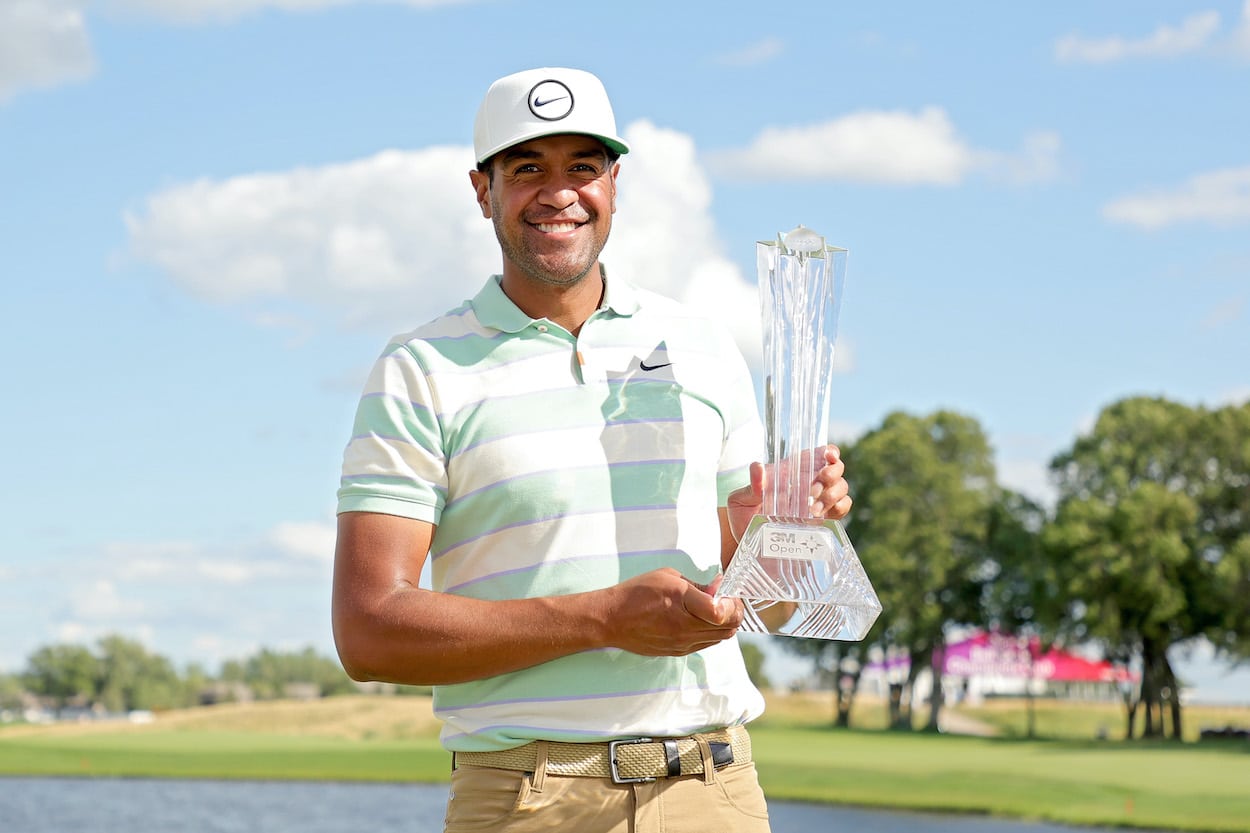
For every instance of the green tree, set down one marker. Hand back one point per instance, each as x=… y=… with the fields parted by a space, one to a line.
x=1124 y=564
x=753 y=657
x=1153 y=530
x=10 y=692
x=62 y=673
x=1021 y=595
x=1223 y=497
x=924 y=490
x=838 y=663
x=130 y=677
x=195 y=681
x=269 y=673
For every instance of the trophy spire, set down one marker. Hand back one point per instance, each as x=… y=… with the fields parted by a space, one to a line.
x=799 y=575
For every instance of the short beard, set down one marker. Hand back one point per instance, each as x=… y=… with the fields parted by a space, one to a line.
x=529 y=265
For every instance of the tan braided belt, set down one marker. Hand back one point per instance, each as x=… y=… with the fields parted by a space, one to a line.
x=624 y=761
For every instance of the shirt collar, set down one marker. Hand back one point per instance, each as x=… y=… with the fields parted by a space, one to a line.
x=619 y=295
x=494 y=309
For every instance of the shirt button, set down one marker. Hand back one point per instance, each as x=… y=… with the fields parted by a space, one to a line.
x=542 y=328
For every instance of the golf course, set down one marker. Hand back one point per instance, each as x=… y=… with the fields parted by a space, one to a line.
x=982 y=764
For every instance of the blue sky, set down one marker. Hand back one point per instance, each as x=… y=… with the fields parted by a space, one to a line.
x=213 y=214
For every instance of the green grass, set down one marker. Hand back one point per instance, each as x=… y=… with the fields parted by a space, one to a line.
x=1161 y=786
x=1069 y=778
x=204 y=754
x=1084 y=721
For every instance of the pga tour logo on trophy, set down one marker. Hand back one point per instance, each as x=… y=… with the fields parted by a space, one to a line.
x=798 y=575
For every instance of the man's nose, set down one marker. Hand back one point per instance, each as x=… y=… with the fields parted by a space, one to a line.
x=558 y=192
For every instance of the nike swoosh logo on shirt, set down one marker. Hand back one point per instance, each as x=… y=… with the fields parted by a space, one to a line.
x=646 y=366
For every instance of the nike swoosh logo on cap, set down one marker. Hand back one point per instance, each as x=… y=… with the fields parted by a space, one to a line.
x=543 y=102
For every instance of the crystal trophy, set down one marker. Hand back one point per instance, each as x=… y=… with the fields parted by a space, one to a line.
x=799 y=575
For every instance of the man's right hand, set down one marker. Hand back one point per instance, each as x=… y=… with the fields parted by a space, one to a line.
x=663 y=613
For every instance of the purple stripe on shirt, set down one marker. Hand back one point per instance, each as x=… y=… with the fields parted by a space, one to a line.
x=546 y=519
x=555 y=562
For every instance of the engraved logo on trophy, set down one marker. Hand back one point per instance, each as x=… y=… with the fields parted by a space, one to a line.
x=798 y=575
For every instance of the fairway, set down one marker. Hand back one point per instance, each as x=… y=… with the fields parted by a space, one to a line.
x=1198 y=787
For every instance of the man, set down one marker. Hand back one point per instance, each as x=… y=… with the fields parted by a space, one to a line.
x=573 y=456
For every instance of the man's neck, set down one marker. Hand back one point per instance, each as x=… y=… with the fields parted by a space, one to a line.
x=569 y=306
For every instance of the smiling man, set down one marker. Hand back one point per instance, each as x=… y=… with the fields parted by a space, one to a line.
x=573 y=457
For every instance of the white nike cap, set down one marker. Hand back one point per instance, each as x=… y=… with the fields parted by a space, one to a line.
x=543 y=102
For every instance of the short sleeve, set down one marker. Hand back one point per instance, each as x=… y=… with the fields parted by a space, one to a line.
x=395 y=462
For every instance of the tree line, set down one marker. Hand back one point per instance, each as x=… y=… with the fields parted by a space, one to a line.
x=1147 y=548
x=120 y=675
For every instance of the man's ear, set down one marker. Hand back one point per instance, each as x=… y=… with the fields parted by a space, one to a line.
x=616 y=169
x=481 y=186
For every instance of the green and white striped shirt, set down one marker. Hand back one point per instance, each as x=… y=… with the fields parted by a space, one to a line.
x=555 y=464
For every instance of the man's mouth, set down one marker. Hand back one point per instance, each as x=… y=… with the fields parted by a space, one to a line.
x=554 y=228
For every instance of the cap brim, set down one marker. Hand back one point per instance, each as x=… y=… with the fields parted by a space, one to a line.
x=613 y=143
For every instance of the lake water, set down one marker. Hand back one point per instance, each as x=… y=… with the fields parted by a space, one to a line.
x=107 y=805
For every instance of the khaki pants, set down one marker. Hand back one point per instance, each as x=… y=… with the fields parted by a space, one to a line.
x=725 y=801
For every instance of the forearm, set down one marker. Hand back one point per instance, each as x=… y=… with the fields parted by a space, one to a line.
x=415 y=636
x=387 y=628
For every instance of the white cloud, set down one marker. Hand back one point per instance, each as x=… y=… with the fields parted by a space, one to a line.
x=1219 y=197
x=1193 y=34
x=202 y=600
x=45 y=43
x=664 y=237
x=1223 y=313
x=42 y=43
x=73 y=633
x=890 y=147
x=893 y=147
x=760 y=52
x=281 y=553
x=310 y=541
x=1239 y=42
x=843 y=356
x=396 y=239
x=841 y=431
x=1234 y=396
x=1036 y=161
x=100 y=599
x=191 y=11
x=1029 y=477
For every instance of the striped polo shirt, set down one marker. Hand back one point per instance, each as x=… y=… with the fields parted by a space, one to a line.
x=554 y=464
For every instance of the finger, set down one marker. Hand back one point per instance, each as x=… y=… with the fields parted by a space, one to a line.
x=714 y=584
x=832 y=505
x=830 y=472
x=719 y=612
x=759 y=480
x=828 y=497
x=706 y=640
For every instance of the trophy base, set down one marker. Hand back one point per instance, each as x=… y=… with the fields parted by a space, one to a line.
x=801 y=578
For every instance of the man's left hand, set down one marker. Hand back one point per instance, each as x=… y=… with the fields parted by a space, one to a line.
x=829 y=496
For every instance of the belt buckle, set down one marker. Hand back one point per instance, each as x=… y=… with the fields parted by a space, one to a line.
x=617 y=778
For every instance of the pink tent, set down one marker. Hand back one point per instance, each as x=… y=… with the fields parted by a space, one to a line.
x=1001 y=655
